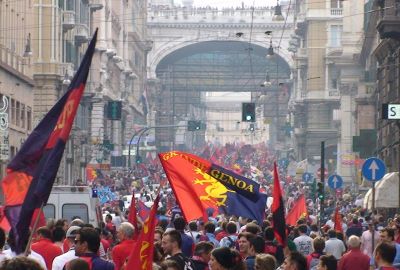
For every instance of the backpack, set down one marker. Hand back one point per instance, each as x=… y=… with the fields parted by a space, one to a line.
x=232 y=243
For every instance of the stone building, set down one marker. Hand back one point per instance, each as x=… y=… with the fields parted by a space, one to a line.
x=327 y=79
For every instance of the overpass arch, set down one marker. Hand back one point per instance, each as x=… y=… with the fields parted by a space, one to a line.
x=163 y=49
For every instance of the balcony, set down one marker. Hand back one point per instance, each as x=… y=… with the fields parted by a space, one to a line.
x=81 y=34
x=336 y=12
x=389 y=27
x=95 y=5
x=68 y=19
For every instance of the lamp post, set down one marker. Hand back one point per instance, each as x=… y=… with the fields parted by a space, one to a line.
x=129 y=147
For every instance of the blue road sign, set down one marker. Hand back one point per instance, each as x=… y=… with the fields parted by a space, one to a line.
x=307 y=177
x=335 y=181
x=373 y=169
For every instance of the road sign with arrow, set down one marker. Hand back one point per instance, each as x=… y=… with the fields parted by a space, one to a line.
x=335 y=181
x=373 y=169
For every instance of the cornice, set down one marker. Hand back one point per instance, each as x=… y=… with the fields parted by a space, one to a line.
x=219 y=25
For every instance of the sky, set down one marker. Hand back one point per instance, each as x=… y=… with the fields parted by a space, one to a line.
x=231 y=3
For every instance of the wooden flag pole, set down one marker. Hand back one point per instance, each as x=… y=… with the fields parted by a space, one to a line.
x=28 y=246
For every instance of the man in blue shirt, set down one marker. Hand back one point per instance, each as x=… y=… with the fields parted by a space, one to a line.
x=187 y=241
x=387 y=235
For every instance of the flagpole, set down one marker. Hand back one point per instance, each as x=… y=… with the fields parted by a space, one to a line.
x=28 y=246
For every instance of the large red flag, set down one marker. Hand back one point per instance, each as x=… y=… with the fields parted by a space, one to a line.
x=31 y=173
x=141 y=256
x=338 y=221
x=188 y=183
x=278 y=210
x=298 y=211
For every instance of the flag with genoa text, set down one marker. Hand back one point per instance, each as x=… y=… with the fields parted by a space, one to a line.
x=31 y=173
x=196 y=190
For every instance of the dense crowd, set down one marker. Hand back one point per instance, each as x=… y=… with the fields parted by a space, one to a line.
x=365 y=240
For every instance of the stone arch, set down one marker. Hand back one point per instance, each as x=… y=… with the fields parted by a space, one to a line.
x=166 y=48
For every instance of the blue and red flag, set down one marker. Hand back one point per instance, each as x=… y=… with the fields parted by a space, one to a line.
x=199 y=185
x=142 y=210
x=278 y=210
x=31 y=173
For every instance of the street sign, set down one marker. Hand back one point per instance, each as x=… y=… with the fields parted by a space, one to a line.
x=307 y=177
x=335 y=181
x=373 y=169
x=391 y=111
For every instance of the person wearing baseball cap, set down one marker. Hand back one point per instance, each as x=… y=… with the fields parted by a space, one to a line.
x=60 y=261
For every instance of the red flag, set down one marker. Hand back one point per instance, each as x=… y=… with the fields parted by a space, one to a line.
x=338 y=221
x=132 y=217
x=32 y=171
x=188 y=183
x=91 y=173
x=141 y=256
x=278 y=210
x=298 y=211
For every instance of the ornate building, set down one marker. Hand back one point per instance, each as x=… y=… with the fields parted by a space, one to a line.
x=16 y=84
x=327 y=80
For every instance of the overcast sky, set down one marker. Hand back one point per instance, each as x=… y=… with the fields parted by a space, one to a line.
x=231 y=3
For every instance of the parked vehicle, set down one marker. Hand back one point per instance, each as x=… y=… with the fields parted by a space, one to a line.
x=71 y=202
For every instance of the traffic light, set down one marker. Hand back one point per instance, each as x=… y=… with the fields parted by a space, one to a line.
x=251 y=128
x=320 y=191
x=138 y=159
x=194 y=125
x=114 y=109
x=249 y=112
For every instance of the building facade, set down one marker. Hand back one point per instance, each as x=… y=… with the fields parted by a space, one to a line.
x=56 y=34
x=16 y=83
x=387 y=63
x=326 y=82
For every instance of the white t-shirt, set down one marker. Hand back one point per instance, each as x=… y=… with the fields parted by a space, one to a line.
x=60 y=261
x=303 y=244
x=334 y=247
x=33 y=255
x=366 y=242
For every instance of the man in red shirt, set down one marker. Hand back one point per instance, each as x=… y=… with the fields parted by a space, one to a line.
x=354 y=258
x=45 y=247
x=121 y=251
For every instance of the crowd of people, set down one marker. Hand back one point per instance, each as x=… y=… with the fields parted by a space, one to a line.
x=223 y=242
x=365 y=240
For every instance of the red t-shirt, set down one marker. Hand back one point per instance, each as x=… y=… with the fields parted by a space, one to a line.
x=121 y=251
x=48 y=250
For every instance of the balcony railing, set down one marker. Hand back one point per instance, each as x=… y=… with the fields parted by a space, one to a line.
x=336 y=12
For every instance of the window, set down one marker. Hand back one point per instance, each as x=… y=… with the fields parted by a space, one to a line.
x=49 y=211
x=333 y=77
x=71 y=210
x=336 y=36
x=13 y=111
x=336 y=3
x=18 y=113
x=23 y=115
x=28 y=118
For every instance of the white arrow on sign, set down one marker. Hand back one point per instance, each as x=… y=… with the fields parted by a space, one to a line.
x=335 y=180
x=373 y=167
